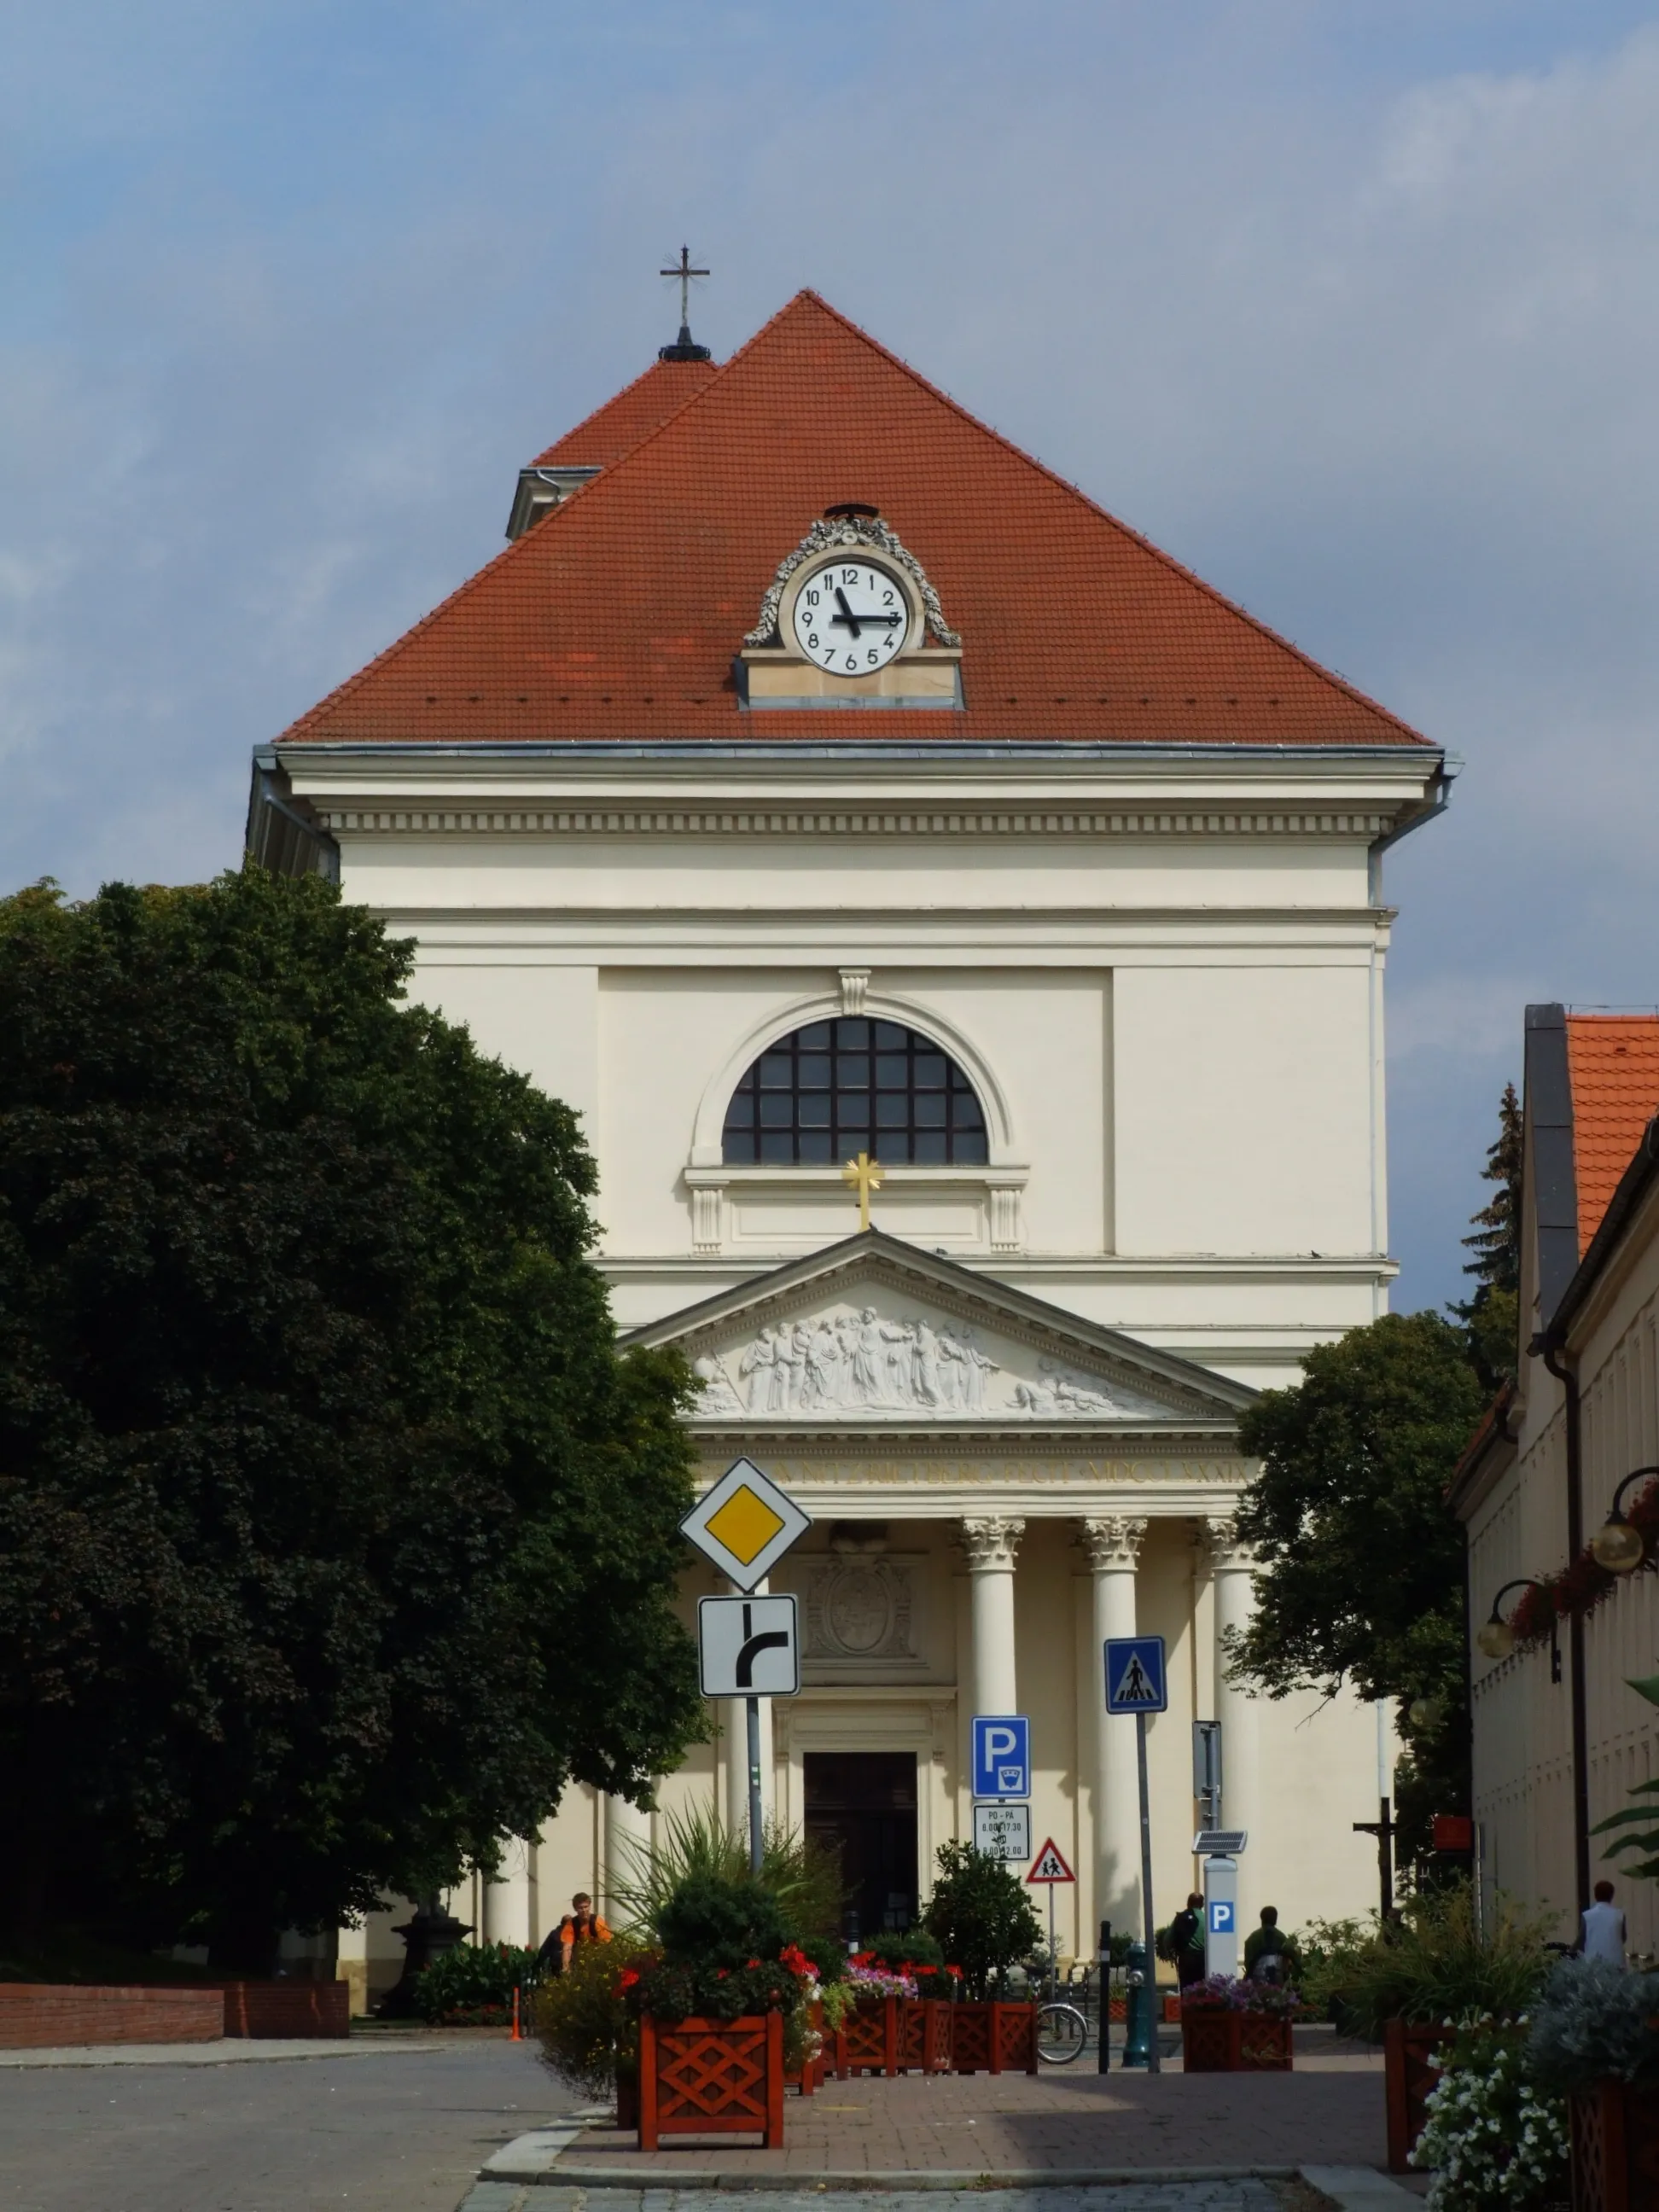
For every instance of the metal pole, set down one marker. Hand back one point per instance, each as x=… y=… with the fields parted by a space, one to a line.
x=1103 y=2053
x=1152 y=2065
x=753 y=1706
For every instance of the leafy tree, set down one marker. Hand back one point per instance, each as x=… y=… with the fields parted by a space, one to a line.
x=1492 y=1315
x=1362 y=1561
x=335 y=1538
x=981 y=1914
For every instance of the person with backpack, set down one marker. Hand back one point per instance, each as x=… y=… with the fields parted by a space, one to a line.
x=581 y=1925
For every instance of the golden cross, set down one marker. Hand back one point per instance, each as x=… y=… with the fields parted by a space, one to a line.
x=863 y=1176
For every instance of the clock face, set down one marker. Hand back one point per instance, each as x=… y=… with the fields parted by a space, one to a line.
x=850 y=618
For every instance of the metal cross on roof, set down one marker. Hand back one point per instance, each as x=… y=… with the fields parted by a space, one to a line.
x=684 y=349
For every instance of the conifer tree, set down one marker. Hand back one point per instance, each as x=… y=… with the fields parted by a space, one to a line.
x=1492 y=1316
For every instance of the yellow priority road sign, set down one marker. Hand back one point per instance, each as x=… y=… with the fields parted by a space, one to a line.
x=744 y=1524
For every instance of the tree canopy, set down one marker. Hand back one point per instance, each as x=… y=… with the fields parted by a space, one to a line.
x=1492 y=1315
x=336 y=1537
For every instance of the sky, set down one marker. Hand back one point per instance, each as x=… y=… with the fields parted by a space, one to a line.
x=1352 y=307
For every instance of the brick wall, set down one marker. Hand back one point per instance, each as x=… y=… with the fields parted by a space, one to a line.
x=44 y=2015
x=287 y=2008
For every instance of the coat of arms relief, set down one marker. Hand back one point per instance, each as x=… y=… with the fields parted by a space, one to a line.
x=861 y=1362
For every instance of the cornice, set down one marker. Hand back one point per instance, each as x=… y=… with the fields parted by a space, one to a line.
x=362 y=821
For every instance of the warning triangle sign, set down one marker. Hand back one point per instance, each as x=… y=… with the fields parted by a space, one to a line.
x=1049 y=1866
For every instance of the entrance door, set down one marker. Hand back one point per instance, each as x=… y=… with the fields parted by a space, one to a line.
x=864 y=1803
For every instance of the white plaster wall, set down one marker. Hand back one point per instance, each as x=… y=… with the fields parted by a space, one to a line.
x=1243 y=1110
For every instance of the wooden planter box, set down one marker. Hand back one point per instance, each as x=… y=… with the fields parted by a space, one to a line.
x=1615 y=2149
x=711 y=2077
x=924 y=2035
x=867 y=2041
x=807 y=2079
x=1407 y=2078
x=1214 y=2040
x=993 y=2037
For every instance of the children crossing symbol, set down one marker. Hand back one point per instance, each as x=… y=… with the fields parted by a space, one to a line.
x=1049 y=1866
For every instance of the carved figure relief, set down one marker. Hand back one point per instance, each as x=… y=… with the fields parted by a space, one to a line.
x=863 y=1362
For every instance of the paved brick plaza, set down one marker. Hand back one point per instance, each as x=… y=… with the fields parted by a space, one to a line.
x=1329 y=2112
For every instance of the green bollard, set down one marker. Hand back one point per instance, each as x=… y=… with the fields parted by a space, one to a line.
x=1138 y=2043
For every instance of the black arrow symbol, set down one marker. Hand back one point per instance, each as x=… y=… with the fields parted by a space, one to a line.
x=771 y=1640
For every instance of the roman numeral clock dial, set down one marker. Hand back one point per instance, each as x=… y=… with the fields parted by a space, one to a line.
x=851 y=618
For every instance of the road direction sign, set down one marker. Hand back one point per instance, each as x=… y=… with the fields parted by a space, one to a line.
x=1003 y=1831
x=1048 y=1865
x=744 y=1524
x=748 y=1647
x=1002 y=1755
x=1135 y=1680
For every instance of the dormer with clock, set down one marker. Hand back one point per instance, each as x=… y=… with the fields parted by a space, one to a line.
x=851 y=620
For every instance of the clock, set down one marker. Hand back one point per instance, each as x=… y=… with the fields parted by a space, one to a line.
x=851 y=618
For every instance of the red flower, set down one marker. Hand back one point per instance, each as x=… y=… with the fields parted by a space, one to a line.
x=955 y=1972
x=626 y=1978
x=720 y=1975
x=796 y=1962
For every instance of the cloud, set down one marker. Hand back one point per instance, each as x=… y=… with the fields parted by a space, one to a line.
x=1358 y=313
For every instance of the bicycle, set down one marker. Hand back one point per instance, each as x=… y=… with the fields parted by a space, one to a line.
x=1062 y=2027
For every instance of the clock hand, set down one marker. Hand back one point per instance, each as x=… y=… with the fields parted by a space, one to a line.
x=846 y=615
x=850 y=621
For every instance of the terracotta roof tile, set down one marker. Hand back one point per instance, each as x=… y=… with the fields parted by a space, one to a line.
x=1612 y=1063
x=619 y=615
x=638 y=409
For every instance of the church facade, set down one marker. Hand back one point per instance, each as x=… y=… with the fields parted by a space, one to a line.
x=816 y=776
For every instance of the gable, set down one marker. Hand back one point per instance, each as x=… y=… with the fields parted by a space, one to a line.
x=875 y=1331
x=619 y=615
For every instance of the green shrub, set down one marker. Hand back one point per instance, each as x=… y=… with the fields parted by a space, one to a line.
x=802 y=1875
x=914 y=1947
x=1435 y=1963
x=584 y=2025
x=472 y=1984
x=717 y=1920
x=1592 y=2024
x=980 y=1915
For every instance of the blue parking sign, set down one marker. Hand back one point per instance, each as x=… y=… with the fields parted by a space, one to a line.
x=1002 y=1755
x=1135 y=1680
x=1221 y=1916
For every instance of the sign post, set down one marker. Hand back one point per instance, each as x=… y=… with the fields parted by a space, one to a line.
x=1136 y=1683
x=1047 y=1868
x=744 y=1525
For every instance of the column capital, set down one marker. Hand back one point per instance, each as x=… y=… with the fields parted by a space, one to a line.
x=990 y=1542
x=1112 y=1541
x=1227 y=1548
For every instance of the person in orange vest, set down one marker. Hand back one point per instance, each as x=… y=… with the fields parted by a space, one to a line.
x=581 y=1925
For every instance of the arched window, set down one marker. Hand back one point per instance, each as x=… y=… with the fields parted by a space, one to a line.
x=835 y=1089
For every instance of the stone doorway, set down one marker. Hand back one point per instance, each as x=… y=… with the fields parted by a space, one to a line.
x=864 y=1803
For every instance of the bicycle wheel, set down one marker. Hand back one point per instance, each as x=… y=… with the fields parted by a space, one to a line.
x=1062 y=2033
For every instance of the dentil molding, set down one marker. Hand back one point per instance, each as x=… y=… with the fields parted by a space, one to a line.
x=863 y=821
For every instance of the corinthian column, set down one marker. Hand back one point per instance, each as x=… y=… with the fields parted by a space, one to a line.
x=990 y=1546
x=1112 y=1545
x=1233 y=1565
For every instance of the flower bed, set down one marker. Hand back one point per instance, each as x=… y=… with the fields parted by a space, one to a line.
x=1232 y=2026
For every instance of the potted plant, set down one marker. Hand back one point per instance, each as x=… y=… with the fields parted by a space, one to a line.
x=1231 y=2024
x=982 y=1916
x=1494 y=2140
x=588 y=2032
x=1594 y=2042
x=1405 y=1985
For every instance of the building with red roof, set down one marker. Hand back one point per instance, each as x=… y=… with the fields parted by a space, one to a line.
x=816 y=777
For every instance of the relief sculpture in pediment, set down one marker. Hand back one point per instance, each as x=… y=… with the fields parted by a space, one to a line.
x=861 y=1361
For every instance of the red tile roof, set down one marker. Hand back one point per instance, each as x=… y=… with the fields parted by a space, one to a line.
x=637 y=409
x=1612 y=1063
x=619 y=615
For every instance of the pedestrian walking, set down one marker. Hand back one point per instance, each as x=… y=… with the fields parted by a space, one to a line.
x=581 y=1925
x=1604 y=1933
x=1266 y=1950
x=1185 y=1941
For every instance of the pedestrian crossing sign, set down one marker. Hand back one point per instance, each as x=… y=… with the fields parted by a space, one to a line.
x=1135 y=1678
x=1049 y=1866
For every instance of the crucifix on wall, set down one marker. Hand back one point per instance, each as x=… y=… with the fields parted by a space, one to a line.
x=863 y=1176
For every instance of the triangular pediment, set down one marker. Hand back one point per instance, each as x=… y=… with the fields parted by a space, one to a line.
x=874 y=1332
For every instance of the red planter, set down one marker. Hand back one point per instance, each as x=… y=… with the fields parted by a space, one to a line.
x=993 y=2037
x=924 y=2035
x=867 y=2041
x=711 y=2077
x=807 y=2079
x=1218 y=2040
x=1615 y=2149
x=628 y=2099
x=1407 y=2078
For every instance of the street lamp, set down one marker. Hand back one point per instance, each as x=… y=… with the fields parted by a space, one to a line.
x=1620 y=1548
x=1497 y=1638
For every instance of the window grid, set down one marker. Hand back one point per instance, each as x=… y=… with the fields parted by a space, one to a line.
x=835 y=1089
